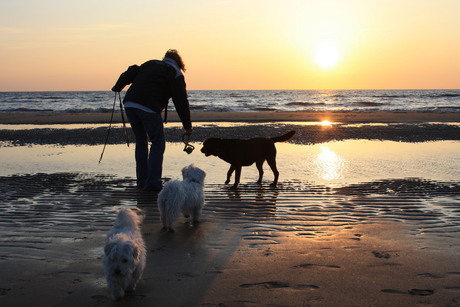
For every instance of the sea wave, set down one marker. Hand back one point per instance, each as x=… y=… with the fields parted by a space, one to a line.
x=29 y=110
x=390 y=96
x=305 y=104
x=248 y=101
x=84 y=110
x=368 y=103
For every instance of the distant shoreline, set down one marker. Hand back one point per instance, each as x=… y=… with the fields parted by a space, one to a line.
x=339 y=117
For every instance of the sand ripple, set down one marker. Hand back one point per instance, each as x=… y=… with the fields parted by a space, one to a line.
x=41 y=211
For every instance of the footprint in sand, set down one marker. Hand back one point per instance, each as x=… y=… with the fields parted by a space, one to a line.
x=420 y=292
x=381 y=255
x=309 y=265
x=279 y=284
x=430 y=275
x=306 y=287
x=268 y=252
x=267 y=284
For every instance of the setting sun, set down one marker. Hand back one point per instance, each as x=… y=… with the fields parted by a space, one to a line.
x=326 y=55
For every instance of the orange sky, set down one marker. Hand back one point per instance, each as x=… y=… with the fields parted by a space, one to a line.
x=239 y=44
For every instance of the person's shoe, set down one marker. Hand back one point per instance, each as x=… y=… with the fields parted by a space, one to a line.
x=153 y=189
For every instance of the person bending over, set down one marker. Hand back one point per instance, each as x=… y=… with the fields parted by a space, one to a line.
x=152 y=85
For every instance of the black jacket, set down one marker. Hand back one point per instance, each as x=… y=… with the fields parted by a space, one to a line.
x=153 y=84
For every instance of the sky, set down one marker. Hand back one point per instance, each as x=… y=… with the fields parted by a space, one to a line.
x=54 y=45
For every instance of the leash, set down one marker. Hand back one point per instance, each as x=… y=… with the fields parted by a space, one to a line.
x=188 y=147
x=111 y=121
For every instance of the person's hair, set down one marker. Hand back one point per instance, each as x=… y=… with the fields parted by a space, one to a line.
x=173 y=54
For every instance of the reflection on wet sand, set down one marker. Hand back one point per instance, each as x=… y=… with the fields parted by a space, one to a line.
x=42 y=211
x=333 y=163
x=336 y=204
x=329 y=164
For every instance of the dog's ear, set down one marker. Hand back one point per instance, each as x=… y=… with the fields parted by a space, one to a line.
x=219 y=146
x=199 y=175
x=185 y=172
x=203 y=175
x=136 y=252
x=108 y=248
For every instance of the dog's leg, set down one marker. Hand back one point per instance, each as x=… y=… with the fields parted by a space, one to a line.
x=196 y=215
x=237 y=176
x=116 y=289
x=169 y=224
x=136 y=276
x=163 y=220
x=167 y=221
x=229 y=174
x=132 y=287
x=261 y=170
x=272 y=163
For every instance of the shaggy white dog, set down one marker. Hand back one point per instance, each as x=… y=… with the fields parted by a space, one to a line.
x=125 y=253
x=185 y=196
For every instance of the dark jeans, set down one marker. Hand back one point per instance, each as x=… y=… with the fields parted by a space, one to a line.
x=149 y=165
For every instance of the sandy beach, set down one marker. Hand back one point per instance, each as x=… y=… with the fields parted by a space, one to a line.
x=366 y=213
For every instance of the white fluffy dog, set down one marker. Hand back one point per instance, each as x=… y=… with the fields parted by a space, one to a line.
x=185 y=196
x=125 y=253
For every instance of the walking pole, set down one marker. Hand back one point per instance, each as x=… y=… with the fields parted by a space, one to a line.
x=110 y=126
x=123 y=119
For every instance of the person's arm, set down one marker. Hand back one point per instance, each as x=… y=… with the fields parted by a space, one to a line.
x=126 y=78
x=180 y=100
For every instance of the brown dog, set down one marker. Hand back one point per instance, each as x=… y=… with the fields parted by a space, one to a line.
x=241 y=153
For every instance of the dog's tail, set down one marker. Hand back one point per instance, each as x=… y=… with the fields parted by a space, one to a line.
x=284 y=137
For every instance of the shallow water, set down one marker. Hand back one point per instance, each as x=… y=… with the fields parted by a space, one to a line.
x=332 y=164
x=54 y=196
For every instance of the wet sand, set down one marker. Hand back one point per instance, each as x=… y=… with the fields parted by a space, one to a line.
x=305 y=134
x=343 y=117
x=255 y=247
x=387 y=242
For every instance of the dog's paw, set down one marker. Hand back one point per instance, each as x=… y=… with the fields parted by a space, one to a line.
x=116 y=295
x=227 y=181
x=167 y=229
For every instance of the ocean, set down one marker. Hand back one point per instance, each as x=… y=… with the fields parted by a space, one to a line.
x=247 y=101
